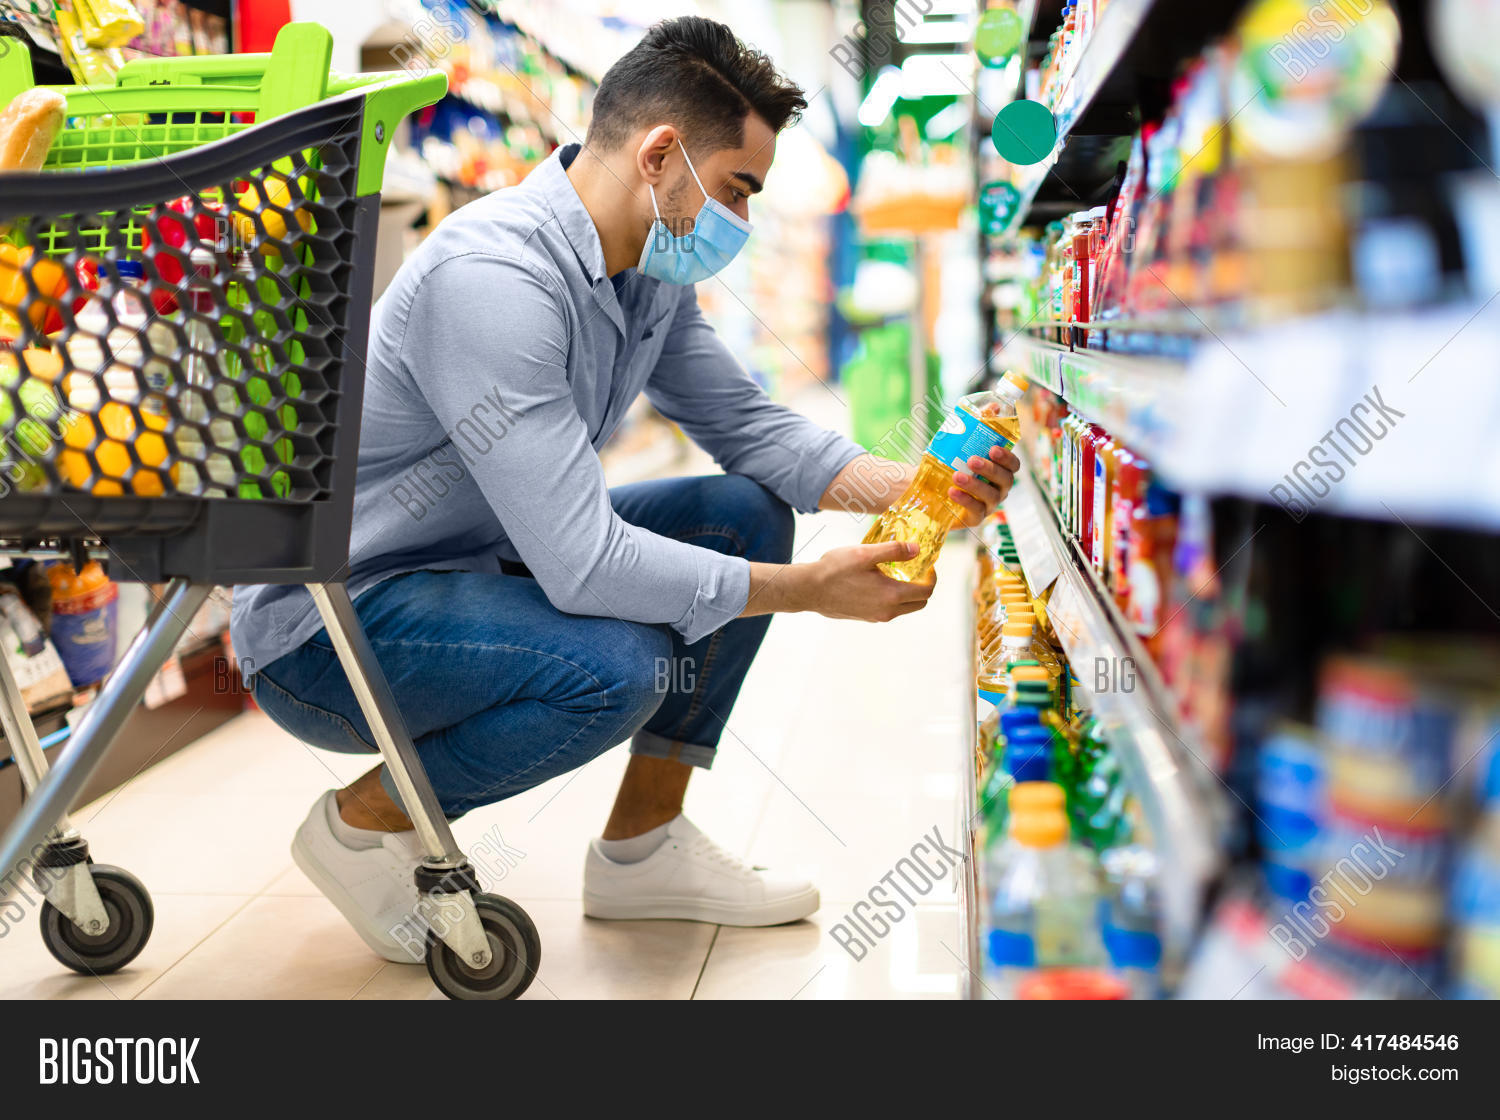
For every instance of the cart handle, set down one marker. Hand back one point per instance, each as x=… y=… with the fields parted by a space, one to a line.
x=293 y=75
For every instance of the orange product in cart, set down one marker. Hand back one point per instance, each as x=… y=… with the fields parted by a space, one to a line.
x=50 y=279
x=110 y=439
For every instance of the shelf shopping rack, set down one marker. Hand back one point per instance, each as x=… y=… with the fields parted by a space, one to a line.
x=187 y=297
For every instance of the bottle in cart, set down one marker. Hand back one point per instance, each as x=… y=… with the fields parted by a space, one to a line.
x=924 y=514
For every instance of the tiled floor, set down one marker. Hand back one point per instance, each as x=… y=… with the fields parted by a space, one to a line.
x=843 y=752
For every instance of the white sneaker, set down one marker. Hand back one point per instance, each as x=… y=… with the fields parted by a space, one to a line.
x=693 y=878
x=373 y=888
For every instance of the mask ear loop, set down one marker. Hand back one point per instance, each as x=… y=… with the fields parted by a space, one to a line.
x=692 y=172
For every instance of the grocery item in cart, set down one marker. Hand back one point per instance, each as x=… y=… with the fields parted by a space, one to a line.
x=28 y=125
x=28 y=438
x=924 y=515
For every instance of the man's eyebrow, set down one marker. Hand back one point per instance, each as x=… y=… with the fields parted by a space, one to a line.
x=755 y=185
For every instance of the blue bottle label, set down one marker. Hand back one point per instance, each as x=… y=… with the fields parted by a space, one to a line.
x=986 y=702
x=964 y=435
x=1012 y=949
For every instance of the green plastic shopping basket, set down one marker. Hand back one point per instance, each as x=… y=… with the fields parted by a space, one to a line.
x=188 y=299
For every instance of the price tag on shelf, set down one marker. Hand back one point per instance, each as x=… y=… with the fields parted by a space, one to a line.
x=1039 y=562
x=1065 y=612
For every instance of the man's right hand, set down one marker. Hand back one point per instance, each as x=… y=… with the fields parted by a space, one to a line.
x=844 y=583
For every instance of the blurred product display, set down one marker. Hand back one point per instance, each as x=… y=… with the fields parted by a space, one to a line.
x=1238 y=207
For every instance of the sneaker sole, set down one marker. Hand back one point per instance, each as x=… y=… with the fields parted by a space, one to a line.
x=344 y=902
x=778 y=913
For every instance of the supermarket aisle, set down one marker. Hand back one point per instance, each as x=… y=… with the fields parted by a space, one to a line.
x=842 y=754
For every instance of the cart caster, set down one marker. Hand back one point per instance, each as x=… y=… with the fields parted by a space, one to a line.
x=130 y=920
x=515 y=948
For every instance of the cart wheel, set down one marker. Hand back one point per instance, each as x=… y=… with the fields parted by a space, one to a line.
x=130 y=920
x=515 y=954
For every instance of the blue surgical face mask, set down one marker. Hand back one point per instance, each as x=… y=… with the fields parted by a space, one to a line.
x=718 y=234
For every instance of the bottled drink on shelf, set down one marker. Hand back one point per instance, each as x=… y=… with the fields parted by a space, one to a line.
x=924 y=514
x=1026 y=757
x=1043 y=902
x=1132 y=923
x=1106 y=450
x=1129 y=490
x=1476 y=899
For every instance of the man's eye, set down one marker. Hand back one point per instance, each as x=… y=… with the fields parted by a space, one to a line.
x=737 y=196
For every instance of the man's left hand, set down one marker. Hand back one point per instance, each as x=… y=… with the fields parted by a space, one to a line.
x=984 y=485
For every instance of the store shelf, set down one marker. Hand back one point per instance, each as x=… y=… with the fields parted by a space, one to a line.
x=1068 y=177
x=970 y=910
x=1121 y=392
x=1125 y=70
x=1180 y=798
x=1284 y=414
x=1245 y=416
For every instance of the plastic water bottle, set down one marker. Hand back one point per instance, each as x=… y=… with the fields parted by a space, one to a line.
x=1043 y=902
x=1131 y=919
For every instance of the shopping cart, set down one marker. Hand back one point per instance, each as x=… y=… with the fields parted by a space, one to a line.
x=190 y=299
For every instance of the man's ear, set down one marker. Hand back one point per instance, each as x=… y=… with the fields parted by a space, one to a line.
x=651 y=156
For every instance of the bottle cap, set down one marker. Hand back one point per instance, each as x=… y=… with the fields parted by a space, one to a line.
x=1039 y=828
x=1020 y=673
x=1012 y=720
x=1016 y=629
x=130 y=270
x=1016 y=379
x=1036 y=795
x=1028 y=757
x=1072 y=983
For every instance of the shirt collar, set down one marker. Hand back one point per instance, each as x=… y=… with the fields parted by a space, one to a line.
x=551 y=179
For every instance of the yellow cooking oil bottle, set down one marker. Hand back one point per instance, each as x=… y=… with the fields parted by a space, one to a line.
x=924 y=515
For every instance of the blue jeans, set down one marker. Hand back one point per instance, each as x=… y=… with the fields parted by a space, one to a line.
x=501 y=691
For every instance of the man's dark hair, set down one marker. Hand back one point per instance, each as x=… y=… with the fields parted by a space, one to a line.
x=693 y=73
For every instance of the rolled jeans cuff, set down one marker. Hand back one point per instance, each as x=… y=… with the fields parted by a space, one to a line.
x=652 y=745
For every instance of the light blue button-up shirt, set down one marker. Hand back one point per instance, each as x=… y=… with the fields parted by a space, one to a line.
x=500 y=360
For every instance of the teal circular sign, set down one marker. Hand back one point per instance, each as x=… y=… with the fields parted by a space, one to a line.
x=1025 y=132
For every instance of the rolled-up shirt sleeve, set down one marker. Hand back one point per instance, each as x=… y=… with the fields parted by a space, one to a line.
x=505 y=367
x=700 y=385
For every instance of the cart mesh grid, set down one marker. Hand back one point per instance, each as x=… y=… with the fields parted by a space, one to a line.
x=187 y=337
